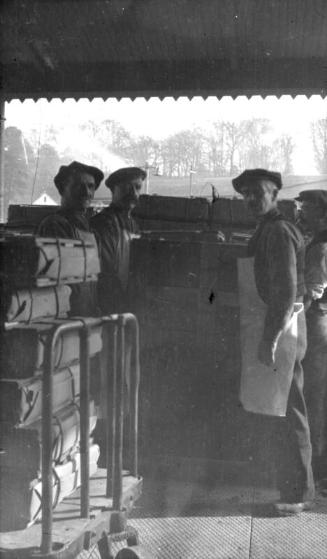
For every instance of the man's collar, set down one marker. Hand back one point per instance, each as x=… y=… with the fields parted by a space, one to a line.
x=116 y=208
x=270 y=216
x=75 y=211
x=71 y=213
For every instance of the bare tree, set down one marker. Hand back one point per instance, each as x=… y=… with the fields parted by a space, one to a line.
x=319 y=142
x=215 y=152
x=112 y=135
x=232 y=139
x=254 y=150
x=182 y=152
x=248 y=147
x=48 y=162
x=234 y=142
x=19 y=166
x=144 y=149
x=282 y=153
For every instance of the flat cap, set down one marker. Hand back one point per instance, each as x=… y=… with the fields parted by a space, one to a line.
x=125 y=174
x=316 y=196
x=76 y=166
x=250 y=175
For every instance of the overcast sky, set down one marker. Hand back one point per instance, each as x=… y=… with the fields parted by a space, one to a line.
x=160 y=118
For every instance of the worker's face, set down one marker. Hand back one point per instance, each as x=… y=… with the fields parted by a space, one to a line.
x=311 y=215
x=78 y=191
x=126 y=195
x=260 y=198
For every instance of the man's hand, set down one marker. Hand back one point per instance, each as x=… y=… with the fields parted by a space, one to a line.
x=266 y=352
x=307 y=300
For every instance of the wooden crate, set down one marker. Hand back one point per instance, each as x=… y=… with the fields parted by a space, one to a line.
x=172 y=208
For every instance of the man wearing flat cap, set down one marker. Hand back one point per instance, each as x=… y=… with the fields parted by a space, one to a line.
x=115 y=227
x=278 y=250
x=76 y=184
x=314 y=214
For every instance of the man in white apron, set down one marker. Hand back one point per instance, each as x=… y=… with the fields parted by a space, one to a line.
x=314 y=214
x=278 y=250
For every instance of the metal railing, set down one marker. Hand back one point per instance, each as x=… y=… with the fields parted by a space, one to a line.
x=116 y=327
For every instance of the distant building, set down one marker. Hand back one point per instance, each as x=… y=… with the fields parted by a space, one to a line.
x=44 y=200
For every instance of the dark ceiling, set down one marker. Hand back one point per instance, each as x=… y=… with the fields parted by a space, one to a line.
x=131 y=48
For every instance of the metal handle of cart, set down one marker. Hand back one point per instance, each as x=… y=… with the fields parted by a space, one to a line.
x=119 y=323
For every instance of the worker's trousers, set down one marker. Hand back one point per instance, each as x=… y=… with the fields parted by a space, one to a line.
x=293 y=450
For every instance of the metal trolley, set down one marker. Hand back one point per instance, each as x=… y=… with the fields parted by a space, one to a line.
x=96 y=513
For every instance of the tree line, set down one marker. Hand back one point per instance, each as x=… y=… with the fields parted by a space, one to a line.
x=224 y=149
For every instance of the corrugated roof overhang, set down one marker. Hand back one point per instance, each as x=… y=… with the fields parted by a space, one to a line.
x=144 y=48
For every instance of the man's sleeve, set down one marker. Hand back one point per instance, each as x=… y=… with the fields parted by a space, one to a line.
x=109 y=288
x=282 y=265
x=106 y=236
x=316 y=270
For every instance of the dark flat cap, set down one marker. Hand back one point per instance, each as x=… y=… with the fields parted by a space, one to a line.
x=76 y=166
x=126 y=174
x=250 y=175
x=318 y=197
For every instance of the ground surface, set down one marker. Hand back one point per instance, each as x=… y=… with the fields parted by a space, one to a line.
x=183 y=520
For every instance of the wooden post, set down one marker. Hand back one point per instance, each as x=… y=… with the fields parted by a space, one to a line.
x=117 y=469
x=111 y=393
x=47 y=418
x=85 y=420
x=2 y=161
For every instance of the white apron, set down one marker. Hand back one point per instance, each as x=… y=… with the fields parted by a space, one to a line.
x=264 y=389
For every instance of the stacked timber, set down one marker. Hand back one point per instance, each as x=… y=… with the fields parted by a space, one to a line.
x=232 y=216
x=172 y=213
x=26 y=218
x=35 y=300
